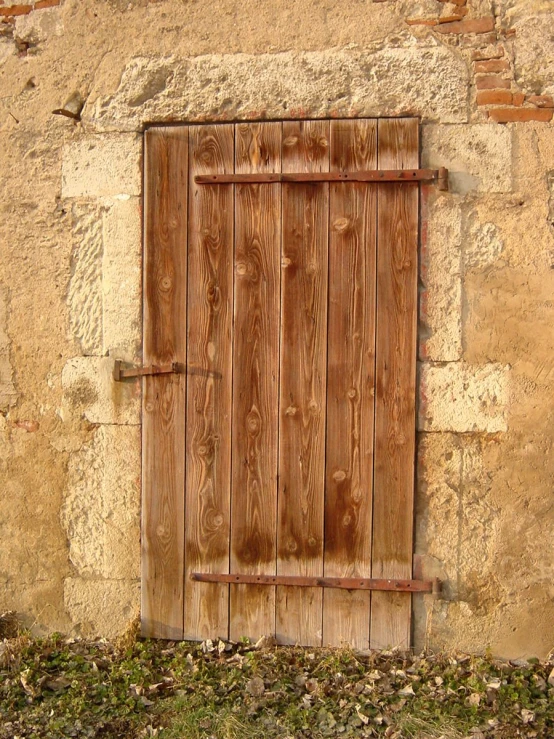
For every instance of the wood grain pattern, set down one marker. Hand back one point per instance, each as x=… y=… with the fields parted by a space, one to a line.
x=208 y=449
x=395 y=384
x=302 y=382
x=163 y=410
x=255 y=379
x=350 y=383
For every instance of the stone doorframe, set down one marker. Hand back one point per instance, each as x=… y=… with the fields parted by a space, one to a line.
x=102 y=187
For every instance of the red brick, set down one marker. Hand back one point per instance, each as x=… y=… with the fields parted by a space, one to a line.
x=16 y=10
x=518 y=98
x=541 y=101
x=482 y=55
x=46 y=4
x=492 y=82
x=493 y=65
x=515 y=115
x=494 y=97
x=477 y=25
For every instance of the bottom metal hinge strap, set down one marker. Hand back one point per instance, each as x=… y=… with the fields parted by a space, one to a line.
x=347 y=583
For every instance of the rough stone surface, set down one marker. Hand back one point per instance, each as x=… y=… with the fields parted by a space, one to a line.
x=462 y=398
x=462 y=519
x=483 y=246
x=441 y=275
x=121 y=280
x=7 y=49
x=85 y=287
x=478 y=157
x=533 y=44
x=8 y=392
x=90 y=391
x=102 y=506
x=98 y=166
x=101 y=607
x=431 y=80
x=37 y=27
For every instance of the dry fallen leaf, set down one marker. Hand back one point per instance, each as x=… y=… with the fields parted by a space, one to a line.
x=255 y=686
x=407 y=690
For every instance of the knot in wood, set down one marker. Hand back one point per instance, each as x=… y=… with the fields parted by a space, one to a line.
x=216 y=520
x=253 y=421
x=341 y=224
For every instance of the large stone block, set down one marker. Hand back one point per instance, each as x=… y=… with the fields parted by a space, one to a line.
x=100 y=166
x=533 y=44
x=84 y=296
x=441 y=299
x=462 y=398
x=415 y=78
x=101 y=511
x=478 y=156
x=101 y=607
x=121 y=279
x=438 y=501
x=90 y=390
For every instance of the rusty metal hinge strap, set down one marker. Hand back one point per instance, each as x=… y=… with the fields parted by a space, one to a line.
x=121 y=373
x=346 y=583
x=440 y=176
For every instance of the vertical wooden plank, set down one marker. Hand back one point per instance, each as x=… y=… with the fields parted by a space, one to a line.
x=398 y=147
x=350 y=383
x=163 y=411
x=255 y=379
x=302 y=382
x=209 y=386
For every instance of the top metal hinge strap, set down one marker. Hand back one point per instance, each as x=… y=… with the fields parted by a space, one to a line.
x=440 y=176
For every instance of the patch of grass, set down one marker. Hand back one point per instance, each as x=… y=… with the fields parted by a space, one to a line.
x=58 y=687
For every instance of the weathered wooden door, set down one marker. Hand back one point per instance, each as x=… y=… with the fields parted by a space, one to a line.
x=285 y=448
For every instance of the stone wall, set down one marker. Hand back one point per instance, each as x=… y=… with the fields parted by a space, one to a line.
x=480 y=76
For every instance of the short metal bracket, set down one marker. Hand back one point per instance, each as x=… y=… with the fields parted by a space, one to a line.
x=120 y=373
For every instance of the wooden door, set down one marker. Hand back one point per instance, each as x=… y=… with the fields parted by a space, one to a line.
x=282 y=454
